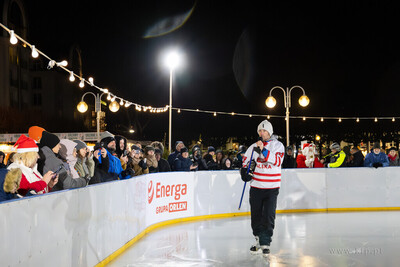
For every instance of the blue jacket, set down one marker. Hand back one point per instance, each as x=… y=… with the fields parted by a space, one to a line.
x=115 y=166
x=182 y=164
x=372 y=158
x=171 y=159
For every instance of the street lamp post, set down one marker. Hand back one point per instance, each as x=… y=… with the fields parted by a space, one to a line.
x=82 y=107
x=270 y=102
x=172 y=61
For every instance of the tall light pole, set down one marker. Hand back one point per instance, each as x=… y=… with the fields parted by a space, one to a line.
x=270 y=102
x=83 y=107
x=172 y=61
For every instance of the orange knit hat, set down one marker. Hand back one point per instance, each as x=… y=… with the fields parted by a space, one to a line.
x=35 y=132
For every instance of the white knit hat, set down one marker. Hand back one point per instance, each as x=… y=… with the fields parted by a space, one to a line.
x=265 y=125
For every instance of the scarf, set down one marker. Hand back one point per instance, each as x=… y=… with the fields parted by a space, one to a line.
x=391 y=158
x=31 y=174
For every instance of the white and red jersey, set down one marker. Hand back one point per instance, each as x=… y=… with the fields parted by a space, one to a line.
x=267 y=174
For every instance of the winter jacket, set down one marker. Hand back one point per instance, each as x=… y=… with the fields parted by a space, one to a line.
x=100 y=172
x=7 y=180
x=116 y=167
x=288 y=162
x=395 y=161
x=31 y=180
x=211 y=164
x=357 y=160
x=171 y=159
x=373 y=158
x=163 y=166
x=337 y=160
x=139 y=166
x=66 y=155
x=85 y=167
x=152 y=163
x=2 y=165
x=50 y=162
x=182 y=164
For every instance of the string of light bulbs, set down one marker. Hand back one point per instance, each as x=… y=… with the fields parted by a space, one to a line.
x=14 y=38
x=112 y=97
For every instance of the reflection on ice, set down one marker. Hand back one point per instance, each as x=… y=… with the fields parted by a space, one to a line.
x=313 y=239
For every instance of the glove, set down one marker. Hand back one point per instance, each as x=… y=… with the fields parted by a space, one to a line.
x=257 y=149
x=128 y=172
x=142 y=164
x=377 y=164
x=253 y=165
x=246 y=177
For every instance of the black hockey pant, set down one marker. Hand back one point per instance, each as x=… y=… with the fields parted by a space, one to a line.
x=263 y=208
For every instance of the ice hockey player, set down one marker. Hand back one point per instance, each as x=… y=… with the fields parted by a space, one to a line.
x=265 y=180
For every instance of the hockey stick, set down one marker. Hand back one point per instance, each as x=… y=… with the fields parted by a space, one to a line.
x=244 y=187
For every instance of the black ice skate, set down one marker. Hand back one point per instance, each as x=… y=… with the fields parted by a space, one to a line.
x=265 y=250
x=255 y=249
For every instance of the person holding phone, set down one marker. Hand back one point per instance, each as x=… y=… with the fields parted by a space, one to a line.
x=49 y=149
x=25 y=159
x=137 y=163
x=84 y=164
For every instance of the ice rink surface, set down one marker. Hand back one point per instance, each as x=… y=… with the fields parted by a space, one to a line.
x=300 y=239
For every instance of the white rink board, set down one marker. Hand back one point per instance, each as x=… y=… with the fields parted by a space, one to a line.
x=81 y=227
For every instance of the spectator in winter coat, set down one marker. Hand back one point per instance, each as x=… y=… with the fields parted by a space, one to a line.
x=121 y=150
x=67 y=154
x=356 y=158
x=84 y=165
x=198 y=160
x=171 y=158
x=152 y=162
x=219 y=157
x=2 y=157
x=25 y=159
x=49 y=148
x=393 y=157
x=163 y=165
x=137 y=163
x=376 y=158
x=9 y=184
x=289 y=161
x=209 y=158
x=226 y=164
x=114 y=162
x=237 y=161
x=101 y=166
x=337 y=158
x=183 y=162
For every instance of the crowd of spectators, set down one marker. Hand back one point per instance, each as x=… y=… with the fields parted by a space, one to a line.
x=42 y=162
x=309 y=157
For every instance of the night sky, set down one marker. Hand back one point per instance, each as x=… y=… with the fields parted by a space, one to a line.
x=345 y=54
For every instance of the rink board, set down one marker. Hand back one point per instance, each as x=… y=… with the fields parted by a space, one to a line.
x=82 y=227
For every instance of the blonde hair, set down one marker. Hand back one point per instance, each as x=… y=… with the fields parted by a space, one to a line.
x=29 y=159
x=12 y=180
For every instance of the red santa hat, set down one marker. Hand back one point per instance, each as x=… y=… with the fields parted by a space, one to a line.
x=25 y=144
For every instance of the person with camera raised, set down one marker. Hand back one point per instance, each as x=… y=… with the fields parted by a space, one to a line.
x=137 y=163
x=115 y=166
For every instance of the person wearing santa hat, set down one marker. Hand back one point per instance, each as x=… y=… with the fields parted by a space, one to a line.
x=25 y=159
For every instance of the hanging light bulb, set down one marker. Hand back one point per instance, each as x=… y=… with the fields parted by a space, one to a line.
x=114 y=106
x=91 y=80
x=13 y=38
x=71 y=76
x=393 y=119
x=233 y=113
x=268 y=117
x=35 y=53
x=121 y=102
x=215 y=114
x=340 y=119
x=108 y=97
x=179 y=110
x=82 y=83
x=322 y=119
x=127 y=104
x=304 y=118
x=250 y=115
x=63 y=63
x=358 y=120
x=105 y=90
x=376 y=119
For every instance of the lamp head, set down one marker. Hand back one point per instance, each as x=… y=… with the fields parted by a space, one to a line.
x=270 y=102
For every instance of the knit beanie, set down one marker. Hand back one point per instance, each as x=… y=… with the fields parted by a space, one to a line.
x=79 y=144
x=49 y=139
x=148 y=148
x=35 y=132
x=265 y=125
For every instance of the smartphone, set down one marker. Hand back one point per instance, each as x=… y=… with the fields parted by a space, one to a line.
x=125 y=152
x=57 y=171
